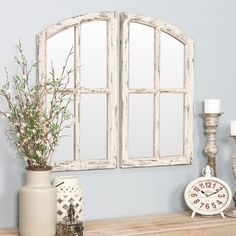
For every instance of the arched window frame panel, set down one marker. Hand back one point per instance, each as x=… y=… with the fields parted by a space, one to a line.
x=110 y=90
x=187 y=91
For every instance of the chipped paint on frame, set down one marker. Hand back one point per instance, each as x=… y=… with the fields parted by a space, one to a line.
x=156 y=160
x=110 y=91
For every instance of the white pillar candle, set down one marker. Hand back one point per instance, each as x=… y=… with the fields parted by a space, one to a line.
x=212 y=106
x=233 y=128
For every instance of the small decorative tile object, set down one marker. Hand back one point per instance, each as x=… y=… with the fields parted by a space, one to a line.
x=68 y=192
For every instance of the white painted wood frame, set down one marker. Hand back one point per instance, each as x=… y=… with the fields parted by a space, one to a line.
x=187 y=91
x=111 y=90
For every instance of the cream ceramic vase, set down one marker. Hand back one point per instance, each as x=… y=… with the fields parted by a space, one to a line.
x=37 y=205
x=68 y=191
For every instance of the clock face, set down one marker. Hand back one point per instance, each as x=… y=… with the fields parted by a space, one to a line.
x=208 y=196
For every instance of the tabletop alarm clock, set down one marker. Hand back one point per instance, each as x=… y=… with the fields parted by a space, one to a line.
x=208 y=195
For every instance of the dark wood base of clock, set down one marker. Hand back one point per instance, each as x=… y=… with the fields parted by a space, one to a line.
x=172 y=224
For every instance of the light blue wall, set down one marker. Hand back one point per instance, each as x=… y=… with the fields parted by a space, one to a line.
x=118 y=193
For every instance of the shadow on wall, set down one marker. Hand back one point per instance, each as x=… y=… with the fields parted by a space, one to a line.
x=176 y=197
x=199 y=160
x=11 y=179
x=227 y=148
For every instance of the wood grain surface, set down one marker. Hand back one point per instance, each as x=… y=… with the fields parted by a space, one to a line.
x=172 y=224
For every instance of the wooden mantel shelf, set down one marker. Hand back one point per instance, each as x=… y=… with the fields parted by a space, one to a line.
x=174 y=224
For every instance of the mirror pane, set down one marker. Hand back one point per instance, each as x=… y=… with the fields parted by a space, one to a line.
x=65 y=149
x=93 y=54
x=141 y=125
x=58 y=48
x=171 y=124
x=93 y=126
x=141 y=56
x=171 y=62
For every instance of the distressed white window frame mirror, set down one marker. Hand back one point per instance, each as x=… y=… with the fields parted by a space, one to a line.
x=111 y=91
x=110 y=160
x=158 y=27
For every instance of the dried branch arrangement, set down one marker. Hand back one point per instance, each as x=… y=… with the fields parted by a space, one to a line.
x=36 y=129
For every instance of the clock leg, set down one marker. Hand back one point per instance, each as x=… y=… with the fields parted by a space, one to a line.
x=222 y=214
x=193 y=214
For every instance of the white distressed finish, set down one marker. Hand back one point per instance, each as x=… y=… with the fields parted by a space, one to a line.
x=211 y=121
x=231 y=212
x=156 y=159
x=111 y=90
x=111 y=17
x=210 y=197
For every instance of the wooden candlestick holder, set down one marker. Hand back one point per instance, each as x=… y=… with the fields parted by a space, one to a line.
x=211 y=121
x=232 y=211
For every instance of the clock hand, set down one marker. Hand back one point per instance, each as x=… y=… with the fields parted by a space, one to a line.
x=212 y=193
x=204 y=193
